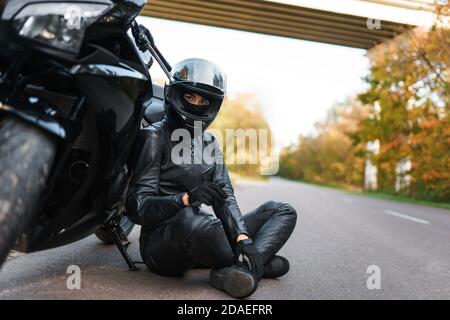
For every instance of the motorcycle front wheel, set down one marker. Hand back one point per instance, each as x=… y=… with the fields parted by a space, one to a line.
x=26 y=158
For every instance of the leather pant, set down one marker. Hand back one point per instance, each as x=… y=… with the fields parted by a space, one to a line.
x=194 y=237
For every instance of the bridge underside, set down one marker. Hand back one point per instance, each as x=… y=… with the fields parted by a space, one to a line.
x=278 y=19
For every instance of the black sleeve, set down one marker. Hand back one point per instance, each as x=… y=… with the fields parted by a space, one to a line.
x=230 y=215
x=144 y=204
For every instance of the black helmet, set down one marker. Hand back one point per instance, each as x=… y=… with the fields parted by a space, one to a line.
x=200 y=77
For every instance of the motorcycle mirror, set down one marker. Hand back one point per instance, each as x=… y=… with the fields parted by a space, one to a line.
x=146 y=40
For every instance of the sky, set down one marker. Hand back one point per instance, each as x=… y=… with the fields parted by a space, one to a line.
x=295 y=81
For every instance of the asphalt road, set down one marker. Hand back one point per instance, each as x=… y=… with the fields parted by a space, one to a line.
x=337 y=238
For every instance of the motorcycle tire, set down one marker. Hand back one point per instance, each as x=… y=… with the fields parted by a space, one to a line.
x=105 y=237
x=26 y=158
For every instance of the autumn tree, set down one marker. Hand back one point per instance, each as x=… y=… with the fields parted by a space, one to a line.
x=330 y=156
x=409 y=97
x=241 y=119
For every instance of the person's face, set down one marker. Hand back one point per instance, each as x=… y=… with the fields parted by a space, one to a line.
x=195 y=99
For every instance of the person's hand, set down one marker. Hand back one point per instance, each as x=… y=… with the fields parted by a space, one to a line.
x=248 y=256
x=242 y=236
x=209 y=193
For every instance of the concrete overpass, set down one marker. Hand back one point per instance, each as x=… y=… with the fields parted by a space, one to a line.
x=353 y=23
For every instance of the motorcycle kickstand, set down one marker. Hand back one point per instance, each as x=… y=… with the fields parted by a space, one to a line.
x=121 y=240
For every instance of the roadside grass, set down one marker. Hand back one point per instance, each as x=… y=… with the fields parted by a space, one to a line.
x=404 y=199
x=379 y=195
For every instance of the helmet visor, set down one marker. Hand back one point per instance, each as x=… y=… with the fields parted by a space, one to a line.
x=200 y=72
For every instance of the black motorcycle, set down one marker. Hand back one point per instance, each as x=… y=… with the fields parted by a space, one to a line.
x=74 y=87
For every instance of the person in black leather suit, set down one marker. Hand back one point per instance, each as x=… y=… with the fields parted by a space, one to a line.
x=165 y=194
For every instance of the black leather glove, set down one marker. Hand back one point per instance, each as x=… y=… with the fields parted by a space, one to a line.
x=247 y=256
x=209 y=193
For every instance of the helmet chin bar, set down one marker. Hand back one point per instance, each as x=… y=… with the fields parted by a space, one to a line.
x=194 y=128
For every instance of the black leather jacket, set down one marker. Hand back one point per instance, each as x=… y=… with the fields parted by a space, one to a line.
x=158 y=183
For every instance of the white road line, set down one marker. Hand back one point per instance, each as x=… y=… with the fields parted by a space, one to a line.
x=405 y=216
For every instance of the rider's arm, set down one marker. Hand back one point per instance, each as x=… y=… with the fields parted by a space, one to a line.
x=144 y=204
x=241 y=236
x=230 y=216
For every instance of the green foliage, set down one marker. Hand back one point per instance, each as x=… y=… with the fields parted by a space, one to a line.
x=408 y=103
x=242 y=112
x=409 y=96
x=330 y=157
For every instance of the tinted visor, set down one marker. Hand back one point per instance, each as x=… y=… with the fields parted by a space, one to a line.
x=201 y=73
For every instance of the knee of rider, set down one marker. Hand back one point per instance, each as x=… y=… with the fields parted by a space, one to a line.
x=185 y=215
x=186 y=210
x=186 y=220
x=289 y=211
x=283 y=208
x=132 y=210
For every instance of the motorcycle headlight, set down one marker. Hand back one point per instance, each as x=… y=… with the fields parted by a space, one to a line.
x=60 y=25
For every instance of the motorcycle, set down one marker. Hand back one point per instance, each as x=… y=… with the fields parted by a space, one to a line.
x=75 y=90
